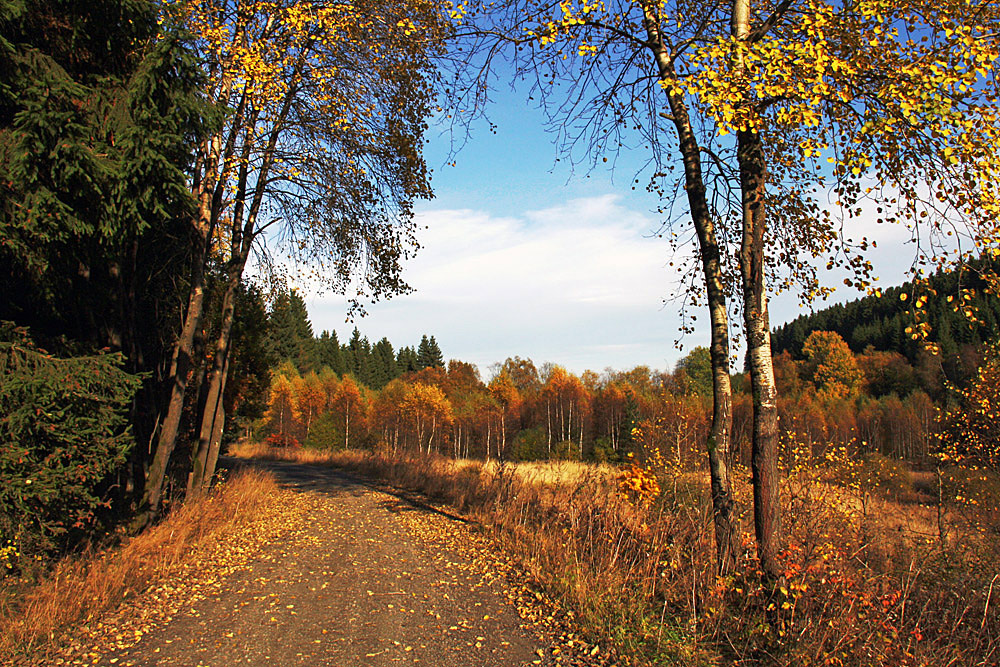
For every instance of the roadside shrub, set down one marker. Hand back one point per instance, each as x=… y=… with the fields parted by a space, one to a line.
x=529 y=444
x=565 y=450
x=603 y=452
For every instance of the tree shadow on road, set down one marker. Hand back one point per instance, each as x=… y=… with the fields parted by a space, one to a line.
x=334 y=481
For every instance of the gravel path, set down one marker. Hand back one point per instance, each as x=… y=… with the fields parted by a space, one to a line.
x=362 y=577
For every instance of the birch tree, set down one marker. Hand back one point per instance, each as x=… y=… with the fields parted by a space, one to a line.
x=319 y=159
x=886 y=107
x=900 y=98
x=608 y=75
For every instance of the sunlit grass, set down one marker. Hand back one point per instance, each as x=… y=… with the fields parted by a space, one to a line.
x=80 y=587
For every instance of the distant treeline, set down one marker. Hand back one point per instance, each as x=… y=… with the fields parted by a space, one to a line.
x=293 y=341
x=328 y=395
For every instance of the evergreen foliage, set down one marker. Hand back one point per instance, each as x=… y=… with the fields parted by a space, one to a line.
x=96 y=132
x=357 y=356
x=383 y=364
x=328 y=352
x=63 y=430
x=251 y=359
x=429 y=354
x=290 y=331
x=290 y=339
x=101 y=109
x=406 y=360
x=881 y=322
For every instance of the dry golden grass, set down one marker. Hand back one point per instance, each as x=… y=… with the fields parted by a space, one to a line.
x=564 y=473
x=258 y=450
x=868 y=580
x=80 y=588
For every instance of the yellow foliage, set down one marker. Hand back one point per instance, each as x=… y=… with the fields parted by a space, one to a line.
x=638 y=484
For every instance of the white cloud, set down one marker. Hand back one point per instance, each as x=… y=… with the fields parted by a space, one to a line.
x=580 y=283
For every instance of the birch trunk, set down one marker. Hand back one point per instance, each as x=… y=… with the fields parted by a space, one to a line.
x=723 y=505
x=764 y=452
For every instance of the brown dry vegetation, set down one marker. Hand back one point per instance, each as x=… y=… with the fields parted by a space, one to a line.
x=79 y=588
x=868 y=580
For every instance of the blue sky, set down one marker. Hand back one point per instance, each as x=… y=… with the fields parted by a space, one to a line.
x=522 y=256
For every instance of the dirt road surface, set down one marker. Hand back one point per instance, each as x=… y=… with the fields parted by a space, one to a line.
x=354 y=575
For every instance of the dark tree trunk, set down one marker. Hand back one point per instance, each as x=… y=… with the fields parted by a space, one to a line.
x=181 y=362
x=201 y=473
x=764 y=452
x=217 y=429
x=723 y=504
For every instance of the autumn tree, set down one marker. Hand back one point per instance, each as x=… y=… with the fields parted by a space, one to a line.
x=428 y=412
x=900 y=98
x=282 y=411
x=321 y=149
x=386 y=416
x=611 y=407
x=347 y=404
x=463 y=387
x=886 y=372
x=567 y=404
x=970 y=432
x=611 y=75
x=523 y=374
x=831 y=365
x=310 y=398
x=696 y=367
x=508 y=404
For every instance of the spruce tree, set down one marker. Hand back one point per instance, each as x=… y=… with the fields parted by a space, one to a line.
x=429 y=354
x=357 y=357
x=406 y=360
x=100 y=111
x=291 y=333
x=383 y=364
x=436 y=357
x=328 y=352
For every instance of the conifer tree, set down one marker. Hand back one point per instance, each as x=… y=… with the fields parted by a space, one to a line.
x=100 y=108
x=436 y=357
x=429 y=354
x=383 y=364
x=291 y=331
x=328 y=352
x=357 y=357
x=406 y=360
